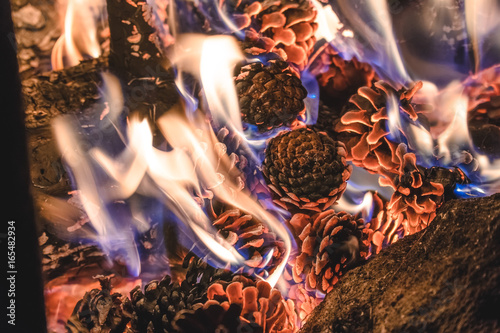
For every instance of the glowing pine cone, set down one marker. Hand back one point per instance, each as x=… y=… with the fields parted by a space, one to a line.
x=483 y=91
x=260 y=308
x=339 y=79
x=100 y=309
x=385 y=230
x=305 y=301
x=270 y=95
x=419 y=192
x=364 y=125
x=290 y=24
x=306 y=169
x=250 y=237
x=329 y=244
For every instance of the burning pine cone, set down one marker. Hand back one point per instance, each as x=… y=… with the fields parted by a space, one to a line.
x=239 y=308
x=250 y=237
x=483 y=91
x=364 y=122
x=419 y=192
x=329 y=243
x=339 y=79
x=270 y=95
x=306 y=169
x=288 y=25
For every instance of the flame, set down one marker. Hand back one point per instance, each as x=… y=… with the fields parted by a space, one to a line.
x=195 y=169
x=79 y=39
x=110 y=235
x=481 y=20
x=217 y=57
x=372 y=40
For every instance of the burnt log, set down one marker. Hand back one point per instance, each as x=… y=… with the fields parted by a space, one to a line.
x=445 y=278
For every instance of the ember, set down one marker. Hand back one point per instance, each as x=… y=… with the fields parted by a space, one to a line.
x=237 y=158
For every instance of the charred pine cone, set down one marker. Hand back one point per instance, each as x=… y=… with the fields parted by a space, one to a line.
x=270 y=95
x=339 y=79
x=419 y=192
x=329 y=243
x=240 y=308
x=100 y=311
x=364 y=124
x=155 y=308
x=306 y=169
x=289 y=25
x=251 y=237
x=327 y=121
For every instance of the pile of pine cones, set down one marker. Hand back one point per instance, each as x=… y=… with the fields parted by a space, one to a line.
x=305 y=170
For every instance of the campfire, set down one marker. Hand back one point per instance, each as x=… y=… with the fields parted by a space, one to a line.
x=224 y=166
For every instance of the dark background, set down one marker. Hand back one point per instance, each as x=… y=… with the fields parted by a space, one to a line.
x=16 y=198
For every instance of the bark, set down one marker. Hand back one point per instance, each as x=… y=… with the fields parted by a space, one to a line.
x=445 y=278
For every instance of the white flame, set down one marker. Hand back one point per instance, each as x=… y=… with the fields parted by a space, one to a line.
x=481 y=18
x=109 y=235
x=373 y=24
x=195 y=168
x=217 y=57
x=79 y=39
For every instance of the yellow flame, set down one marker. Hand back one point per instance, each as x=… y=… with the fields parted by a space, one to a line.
x=79 y=39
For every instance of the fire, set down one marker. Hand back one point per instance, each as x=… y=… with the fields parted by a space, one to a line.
x=191 y=169
x=480 y=24
x=196 y=168
x=372 y=40
x=80 y=37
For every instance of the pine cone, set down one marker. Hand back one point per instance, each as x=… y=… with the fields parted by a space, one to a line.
x=270 y=95
x=213 y=318
x=250 y=237
x=419 y=192
x=328 y=246
x=290 y=24
x=99 y=309
x=385 y=230
x=155 y=308
x=327 y=121
x=483 y=91
x=243 y=162
x=305 y=301
x=258 y=307
x=364 y=125
x=306 y=169
x=339 y=79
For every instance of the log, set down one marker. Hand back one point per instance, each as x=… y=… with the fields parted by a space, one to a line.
x=445 y=278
